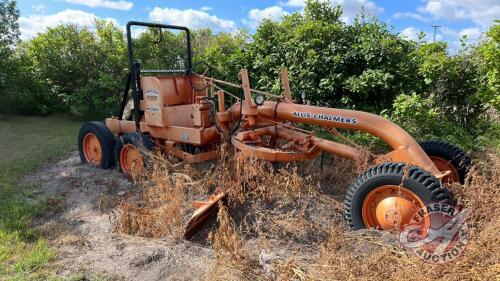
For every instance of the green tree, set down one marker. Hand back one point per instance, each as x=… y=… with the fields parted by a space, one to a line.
x=459 y=95
x=9 y=37
x=224 y=53
x=362 y=66
x=9 y=26
x=488 y=56
x=452 y=83
x=165 y=51
x=82 y=71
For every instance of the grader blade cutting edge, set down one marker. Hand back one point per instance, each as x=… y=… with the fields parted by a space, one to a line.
x=204 y=209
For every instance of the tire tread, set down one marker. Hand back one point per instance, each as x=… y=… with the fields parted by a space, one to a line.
x=429 y=182
x=106 y=139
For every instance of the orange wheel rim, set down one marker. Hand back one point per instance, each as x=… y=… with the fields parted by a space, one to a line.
x=444 y=165
x=391 y=207
x=92 y=149
x=130 y=159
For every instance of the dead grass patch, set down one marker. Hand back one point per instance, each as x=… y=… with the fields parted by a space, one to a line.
x=285 y=222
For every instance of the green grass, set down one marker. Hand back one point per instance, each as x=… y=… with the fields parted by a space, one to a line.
x=26 y=143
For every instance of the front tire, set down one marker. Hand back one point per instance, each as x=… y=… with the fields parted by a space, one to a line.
x=95 y=145
x=386 y=196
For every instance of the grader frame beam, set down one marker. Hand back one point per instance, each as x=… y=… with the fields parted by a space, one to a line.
x=404 y=147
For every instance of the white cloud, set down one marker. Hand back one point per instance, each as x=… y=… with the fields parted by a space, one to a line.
x=410 y=33
x=350 y=8
x=136 y=31
x=481 y=12
x=32 y=25
x=40 y=9
x=401 y=15
x=274 y=13
x=255 y=16
x=295 y=3
x=452 y=36
x=191 y=18
x=472 y=33
x=206 y=8
x=117 y=5
x=447 y=31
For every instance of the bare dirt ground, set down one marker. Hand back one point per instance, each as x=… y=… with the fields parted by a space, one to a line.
x=83 y=202
x=277 y=224
x=80 y=228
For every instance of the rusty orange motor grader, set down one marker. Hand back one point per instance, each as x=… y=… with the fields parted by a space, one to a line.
x=175 y=112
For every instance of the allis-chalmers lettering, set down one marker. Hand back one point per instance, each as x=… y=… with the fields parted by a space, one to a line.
x=327 y=117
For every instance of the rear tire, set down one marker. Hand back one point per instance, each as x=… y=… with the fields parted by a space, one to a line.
x=139 y=146
x=421 y=187
x=447 y=156
x=95 y=145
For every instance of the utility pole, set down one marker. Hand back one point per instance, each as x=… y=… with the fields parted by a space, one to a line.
x=435 y=30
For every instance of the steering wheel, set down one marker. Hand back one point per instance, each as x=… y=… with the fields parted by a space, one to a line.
x=195 y=71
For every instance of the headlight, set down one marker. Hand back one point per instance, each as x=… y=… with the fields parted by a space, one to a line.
x=259 y=99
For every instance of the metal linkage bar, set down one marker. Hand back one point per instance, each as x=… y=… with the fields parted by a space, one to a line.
x=237 y=86
x=266 y=93
x=226 y=92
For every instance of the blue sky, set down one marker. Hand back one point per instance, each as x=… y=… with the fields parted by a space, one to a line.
x=408 y=17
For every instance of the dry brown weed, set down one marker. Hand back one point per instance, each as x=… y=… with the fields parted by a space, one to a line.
x=295 y=212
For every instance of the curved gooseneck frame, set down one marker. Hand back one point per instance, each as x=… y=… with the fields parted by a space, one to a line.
x=262 y=120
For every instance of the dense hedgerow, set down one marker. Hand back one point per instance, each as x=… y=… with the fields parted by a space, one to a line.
x=364 y=66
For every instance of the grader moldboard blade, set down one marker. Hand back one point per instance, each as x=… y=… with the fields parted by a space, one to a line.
x=183 y=113
x=204 y=210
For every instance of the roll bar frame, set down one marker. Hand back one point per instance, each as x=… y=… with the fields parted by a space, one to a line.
x=134 y=76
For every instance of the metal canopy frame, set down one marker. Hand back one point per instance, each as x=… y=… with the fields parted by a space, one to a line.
x=134 y=76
